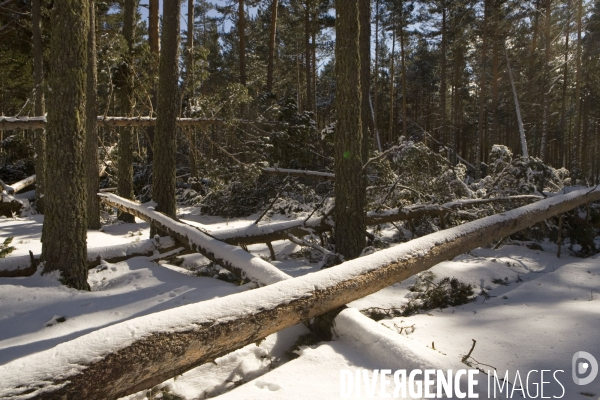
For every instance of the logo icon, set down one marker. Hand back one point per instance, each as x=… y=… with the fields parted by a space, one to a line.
x=580 y=367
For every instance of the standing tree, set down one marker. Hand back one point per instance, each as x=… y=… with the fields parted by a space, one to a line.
x=125 y=178
x=38 y=82
x=64 y=232
x=364 y=9
x=349 y=177
x=163 y=174
x=272 y=34
x=91 y=128
x=242 y=34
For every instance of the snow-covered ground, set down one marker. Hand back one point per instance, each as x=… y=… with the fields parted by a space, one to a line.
x=539 y=313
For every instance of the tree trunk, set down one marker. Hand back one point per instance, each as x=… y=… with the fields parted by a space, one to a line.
x=153 y=39
x=376 y=78
x=38 y=82
x=391 y=138
x=364 y=10
x=350 y=184
x=517 y=109
x=482 y=117
x=444 y=138
x=91 y=128
x=307 y=57
x=190 y=50
x=163 y=177
x=125 y=164
x=189 y=87
x=546 y=87
x=403 y=78
x=562 y=142
x=495 y=133
x=272 y=37
x=576 y=147
x=64 y=231
x=242 y=35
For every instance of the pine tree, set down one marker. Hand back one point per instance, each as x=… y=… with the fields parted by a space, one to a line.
x=64 y=232
x=349 y=182
x=163 y=174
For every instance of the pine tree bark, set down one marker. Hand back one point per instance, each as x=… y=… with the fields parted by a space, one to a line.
x=272 y=37
x=125 y=165
x=38 y=82
x=91 y=128
x=546 y=94
x=392 y=77
x=153 y=37
x=576 y=145
x=444 y=137
x=307 y=58
x=163 y=176
x=364 y=9
x=242 y=35
x=376 y=78
x=153 y=41
x=403 y=77
x=349 y=186
x=482 y=119
x=562 y=142
x=64 y=231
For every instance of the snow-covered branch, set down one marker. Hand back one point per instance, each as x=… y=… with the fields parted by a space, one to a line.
x=233 y=258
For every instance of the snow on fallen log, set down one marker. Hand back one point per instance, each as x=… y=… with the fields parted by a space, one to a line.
x=18 y=186
x=299 y=172
x=140 y=353
x=233 y=258
x=23 y=265
x=300 y=227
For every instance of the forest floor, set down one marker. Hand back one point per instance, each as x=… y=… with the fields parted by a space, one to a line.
x=532 y=311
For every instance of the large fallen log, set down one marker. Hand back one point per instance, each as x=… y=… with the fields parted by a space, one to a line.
x=10 y=123
x=233 y=258
x=19 y=266
x=300 y=227
x=140 y=353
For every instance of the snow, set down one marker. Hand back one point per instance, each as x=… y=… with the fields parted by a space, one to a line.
x=254 y=268
x=548 y=311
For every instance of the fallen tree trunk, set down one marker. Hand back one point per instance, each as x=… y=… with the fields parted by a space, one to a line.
x=233 y=258
x=18 y=186
x=140 y=353
x=300 y=227
x=10 y=123
x=20 y=266
x=299 y=172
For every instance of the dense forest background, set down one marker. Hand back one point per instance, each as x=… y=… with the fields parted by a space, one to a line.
x=439 y=74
